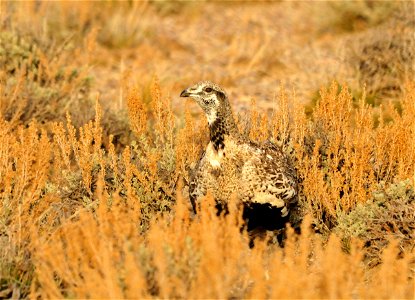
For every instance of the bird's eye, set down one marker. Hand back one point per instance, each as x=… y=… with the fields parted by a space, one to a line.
x=208 y=90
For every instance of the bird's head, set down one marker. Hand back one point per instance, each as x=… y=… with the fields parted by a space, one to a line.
x=210 y=97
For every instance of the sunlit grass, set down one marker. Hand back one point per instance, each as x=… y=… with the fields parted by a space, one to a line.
x=94 y=204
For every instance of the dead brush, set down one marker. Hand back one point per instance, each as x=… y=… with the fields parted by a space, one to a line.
x=132 y=230
x=343 y=168
x=383 y=56
x=24 y=172
x=340 y=137
x=154 y=151
x=203 y=258
x=388 y=215
x=84 y=215
x=40 y=81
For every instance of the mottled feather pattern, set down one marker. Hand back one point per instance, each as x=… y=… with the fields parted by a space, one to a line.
x=217 y=134
x=259 y=175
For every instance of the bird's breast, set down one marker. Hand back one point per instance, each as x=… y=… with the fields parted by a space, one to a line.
x=215 y=158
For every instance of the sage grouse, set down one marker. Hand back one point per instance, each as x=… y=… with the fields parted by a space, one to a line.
x=259 y=174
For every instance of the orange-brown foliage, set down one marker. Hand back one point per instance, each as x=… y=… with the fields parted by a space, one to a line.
x=202 y=258
x=89 y=212
x=180 y=256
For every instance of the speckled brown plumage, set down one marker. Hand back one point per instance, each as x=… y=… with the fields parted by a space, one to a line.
x=259 y=174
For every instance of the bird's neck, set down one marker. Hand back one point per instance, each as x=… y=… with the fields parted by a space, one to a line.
x=221 y=126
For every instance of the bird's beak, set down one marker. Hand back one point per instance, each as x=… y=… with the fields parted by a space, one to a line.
x=185 y=93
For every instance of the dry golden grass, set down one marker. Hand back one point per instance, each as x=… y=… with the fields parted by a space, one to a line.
x=350 y=155
x=101 y=255
x=88 y=210
x=117 y=233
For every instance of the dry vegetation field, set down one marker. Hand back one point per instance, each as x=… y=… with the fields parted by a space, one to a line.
x=96 y=145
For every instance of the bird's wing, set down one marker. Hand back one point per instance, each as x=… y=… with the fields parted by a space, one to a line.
x=268 y=177
x=196 y=181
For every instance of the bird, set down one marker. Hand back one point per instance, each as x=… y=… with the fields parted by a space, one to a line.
x=260 y=174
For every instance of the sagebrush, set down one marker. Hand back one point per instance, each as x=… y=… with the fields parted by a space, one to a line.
x=94 y=165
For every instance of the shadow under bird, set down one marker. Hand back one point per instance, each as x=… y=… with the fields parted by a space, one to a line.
x=260 y=174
